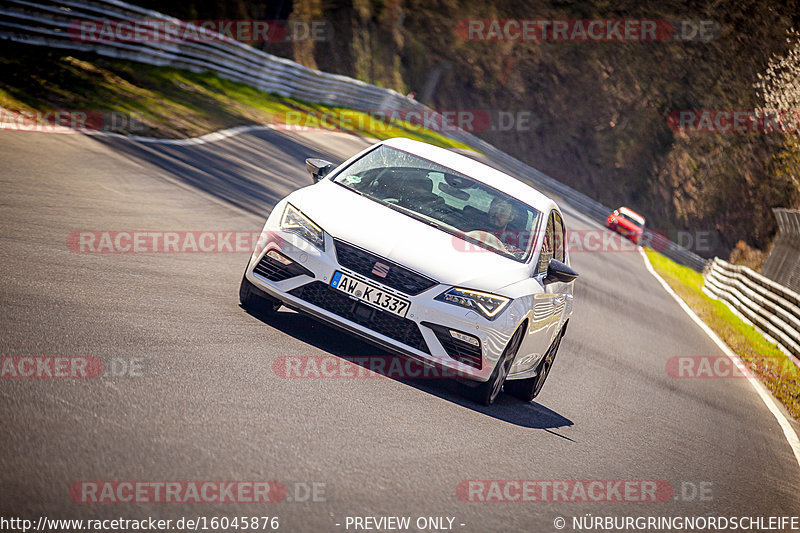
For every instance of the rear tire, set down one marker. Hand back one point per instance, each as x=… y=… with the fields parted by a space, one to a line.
x=255 y=300
x=528 y=389
x=486 y=393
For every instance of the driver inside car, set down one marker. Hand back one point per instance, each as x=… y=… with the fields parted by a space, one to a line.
x=498 y=223
x=501 y=214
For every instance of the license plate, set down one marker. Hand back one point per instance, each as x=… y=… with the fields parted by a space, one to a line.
x=366 y=292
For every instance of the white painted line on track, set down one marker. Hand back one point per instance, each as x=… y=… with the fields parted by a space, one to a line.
x=203 y=139
x=763 y=392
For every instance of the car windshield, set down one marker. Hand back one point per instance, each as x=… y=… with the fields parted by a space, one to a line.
x=630 y=219
x=444 y=198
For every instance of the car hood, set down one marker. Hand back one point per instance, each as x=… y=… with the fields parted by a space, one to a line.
x=346 y=215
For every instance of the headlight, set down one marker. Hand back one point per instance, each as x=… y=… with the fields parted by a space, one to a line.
x=489 y=305
x=294 y=221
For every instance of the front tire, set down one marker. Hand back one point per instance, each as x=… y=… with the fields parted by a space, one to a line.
x=255 y=300
x=486 y=393
x=528 y=389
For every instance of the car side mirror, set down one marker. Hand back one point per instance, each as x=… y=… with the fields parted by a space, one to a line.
x=558 y=271
x=318 y=168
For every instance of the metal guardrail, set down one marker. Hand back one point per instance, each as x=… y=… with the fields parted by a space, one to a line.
x=783 y=263
x=771 y=307
x=47 y=23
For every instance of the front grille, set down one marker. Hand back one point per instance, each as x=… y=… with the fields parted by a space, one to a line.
x=398 y=277
x=461 y=351
x=400 y=329
x=276 y=271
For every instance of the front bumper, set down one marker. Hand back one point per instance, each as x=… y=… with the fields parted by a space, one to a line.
x=304 y=285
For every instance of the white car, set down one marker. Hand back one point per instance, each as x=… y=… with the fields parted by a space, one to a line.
x=426 y=253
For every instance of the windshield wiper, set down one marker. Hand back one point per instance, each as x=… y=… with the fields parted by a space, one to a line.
x=435 y=225
x=351 y=189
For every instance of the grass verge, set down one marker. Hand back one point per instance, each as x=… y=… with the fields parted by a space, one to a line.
x=164 y=102
x=765 y=360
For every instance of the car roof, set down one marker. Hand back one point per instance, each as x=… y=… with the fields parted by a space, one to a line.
x=633 y=214
x=476 y=170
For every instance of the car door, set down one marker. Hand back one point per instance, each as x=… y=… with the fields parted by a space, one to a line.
x=549 y=306
x=545 y=313
x=562 y=291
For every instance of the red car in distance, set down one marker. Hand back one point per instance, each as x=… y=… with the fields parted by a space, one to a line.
x=626 y=222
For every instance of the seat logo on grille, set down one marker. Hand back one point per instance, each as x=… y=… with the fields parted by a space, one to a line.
x=380 y=270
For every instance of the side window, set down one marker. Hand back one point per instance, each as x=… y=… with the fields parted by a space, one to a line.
x=558 y=237
x=547 y=245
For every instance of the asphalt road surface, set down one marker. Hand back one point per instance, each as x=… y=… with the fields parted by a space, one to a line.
x=204 y=402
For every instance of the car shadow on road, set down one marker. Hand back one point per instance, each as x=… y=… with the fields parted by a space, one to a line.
x=340 y=344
